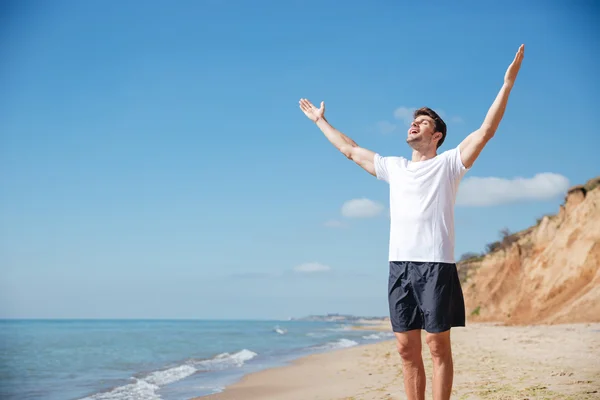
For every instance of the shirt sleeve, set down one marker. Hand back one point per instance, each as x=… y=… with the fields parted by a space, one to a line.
x=381 y=167
x=457 y=168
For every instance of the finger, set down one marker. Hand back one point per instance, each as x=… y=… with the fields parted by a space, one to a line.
x=307 y=107
x=306 y=103
x=322 y=105
x=517 y=58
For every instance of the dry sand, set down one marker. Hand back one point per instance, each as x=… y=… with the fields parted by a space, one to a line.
x=490 y=362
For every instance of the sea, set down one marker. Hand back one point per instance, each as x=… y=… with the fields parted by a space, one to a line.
x=154 y=359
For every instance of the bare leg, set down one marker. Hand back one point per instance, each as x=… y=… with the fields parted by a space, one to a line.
x=443 y=368
x=409 y=347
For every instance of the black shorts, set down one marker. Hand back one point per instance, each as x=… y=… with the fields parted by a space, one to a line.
x=425 y=295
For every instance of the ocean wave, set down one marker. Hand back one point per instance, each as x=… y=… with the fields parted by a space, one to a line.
x=145 y=388
x=338 y=344
x=139 y=390
x=226 y=360
x=377 y=336
x=279 y=330
x=317 y=334
x=167 y=376
x=340 y=328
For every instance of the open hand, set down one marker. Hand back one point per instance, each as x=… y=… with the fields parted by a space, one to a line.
x=513 y=68
x=312 y=112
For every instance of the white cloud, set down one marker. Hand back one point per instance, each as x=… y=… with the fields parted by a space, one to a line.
x=361 y=208
x=312 y=267
x=334 y=223
x=404 y=114
x=493 y=191
x=386 y=127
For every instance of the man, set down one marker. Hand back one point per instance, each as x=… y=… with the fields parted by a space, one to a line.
x=424 y=290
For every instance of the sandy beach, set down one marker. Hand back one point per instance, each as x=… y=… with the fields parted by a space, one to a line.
x=491 y=362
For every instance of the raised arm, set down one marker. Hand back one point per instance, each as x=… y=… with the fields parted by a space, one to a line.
x=343 y=143
x=471 y=147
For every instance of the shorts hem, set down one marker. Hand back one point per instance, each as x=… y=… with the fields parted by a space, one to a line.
x=429 y=329
x=440 y=329
x=403 y=330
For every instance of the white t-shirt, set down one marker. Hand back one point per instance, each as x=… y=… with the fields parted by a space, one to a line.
x=422 y=197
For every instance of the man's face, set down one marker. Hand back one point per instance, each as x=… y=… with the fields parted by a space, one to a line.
x=420 y=132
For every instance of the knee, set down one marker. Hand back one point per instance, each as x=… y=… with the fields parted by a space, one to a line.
x=439 y=347
x=408 y=351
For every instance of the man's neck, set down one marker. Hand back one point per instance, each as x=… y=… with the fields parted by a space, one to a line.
x=422 y=156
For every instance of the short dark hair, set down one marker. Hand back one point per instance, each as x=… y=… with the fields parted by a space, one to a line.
x=440 y=125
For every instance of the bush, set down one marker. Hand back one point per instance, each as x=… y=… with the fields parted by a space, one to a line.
x=492 y=247
x=468 y=256
x=507 y=239
x=592 y=184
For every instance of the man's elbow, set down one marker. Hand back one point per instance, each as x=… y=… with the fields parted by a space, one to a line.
x=348 y=151
x=486 y=132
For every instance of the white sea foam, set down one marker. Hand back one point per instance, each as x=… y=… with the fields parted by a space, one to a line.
x=170 y=375
x=280 y=330
x=139 y=390
x=339 y=344
x=371 y=337
x=341 y=328
x=145 y=388
x=226 y=360
x=317 y=334
x=345 y=343
x=377 y=336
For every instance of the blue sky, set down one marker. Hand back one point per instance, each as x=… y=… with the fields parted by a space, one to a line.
x=155 y=164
